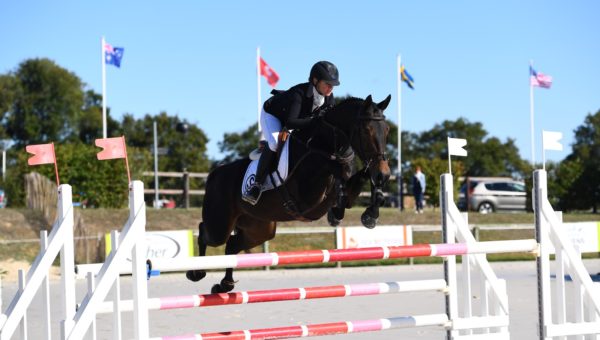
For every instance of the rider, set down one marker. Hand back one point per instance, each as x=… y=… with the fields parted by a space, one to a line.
x=292 y=109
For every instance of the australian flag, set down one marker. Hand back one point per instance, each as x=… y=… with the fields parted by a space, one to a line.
x=113 y=55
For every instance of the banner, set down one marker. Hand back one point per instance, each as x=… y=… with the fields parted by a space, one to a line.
x=361 y=237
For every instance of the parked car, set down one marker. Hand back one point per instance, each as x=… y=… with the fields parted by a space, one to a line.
x=2 y=199
x=489 y=194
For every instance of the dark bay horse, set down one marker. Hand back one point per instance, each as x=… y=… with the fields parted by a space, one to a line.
x=319 y=157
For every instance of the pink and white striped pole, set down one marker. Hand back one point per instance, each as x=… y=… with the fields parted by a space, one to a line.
x=341 y=255
x=344 y=327
x=287 y=294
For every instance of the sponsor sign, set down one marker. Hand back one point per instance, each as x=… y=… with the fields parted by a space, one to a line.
x=361 y=237
x=164 y=244
x=583 y=236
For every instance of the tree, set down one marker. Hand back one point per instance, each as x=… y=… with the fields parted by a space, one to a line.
x=584 y=192
x=90 y=122
x=42 y=103
x=238 y=145
x=185 y=143
x=100 y=183
x=488 y=156
x=433 y=169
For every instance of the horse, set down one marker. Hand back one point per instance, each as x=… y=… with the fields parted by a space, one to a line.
x=320 y=156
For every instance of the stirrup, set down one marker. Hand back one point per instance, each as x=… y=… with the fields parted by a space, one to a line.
x=249 y=197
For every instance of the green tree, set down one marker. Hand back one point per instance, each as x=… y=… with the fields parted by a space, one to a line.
x=185 y=143
x=562 y=176
x=586 y=152
x=100 y=183
x=43 y=103
x=433 y=169
x=488 y=156
x=239 y=145
x=90 y=122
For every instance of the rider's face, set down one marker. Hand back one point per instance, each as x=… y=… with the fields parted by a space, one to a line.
x=324 y=88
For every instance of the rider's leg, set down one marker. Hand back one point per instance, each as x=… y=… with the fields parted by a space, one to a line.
x=271 y=126
x=264 y=163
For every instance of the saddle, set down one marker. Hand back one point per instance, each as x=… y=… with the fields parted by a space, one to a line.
x=278 y=169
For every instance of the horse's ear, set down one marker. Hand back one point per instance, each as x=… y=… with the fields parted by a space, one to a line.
x=368 y=101
x=384 y=104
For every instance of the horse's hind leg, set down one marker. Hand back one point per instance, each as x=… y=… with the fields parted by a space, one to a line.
x=197 y=275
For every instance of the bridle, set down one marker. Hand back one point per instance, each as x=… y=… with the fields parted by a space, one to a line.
x=342 y=148
x=375 y=156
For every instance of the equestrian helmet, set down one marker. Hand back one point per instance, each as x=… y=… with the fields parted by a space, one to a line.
x=326 y=71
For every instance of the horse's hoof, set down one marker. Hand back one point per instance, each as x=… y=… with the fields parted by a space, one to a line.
x=195 y=275
x=332 y=220
x=368 y=221
x=224 y=287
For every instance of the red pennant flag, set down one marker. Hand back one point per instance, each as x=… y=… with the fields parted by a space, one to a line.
x=113 y=148
x=42 y=154
x=269 y=73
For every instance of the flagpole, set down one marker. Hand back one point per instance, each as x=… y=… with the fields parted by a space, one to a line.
x=543 y=159
x=103 y=91
x=258 y=86
x=55 y=166
x=126 y=160
x=399 y=174
x=531 y=115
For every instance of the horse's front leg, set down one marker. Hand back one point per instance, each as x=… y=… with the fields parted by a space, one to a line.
x=371 y=214
x=233 y=246
x=349 y=192
x=335 y=214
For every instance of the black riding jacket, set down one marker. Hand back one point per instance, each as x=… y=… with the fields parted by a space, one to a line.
x=294 y=106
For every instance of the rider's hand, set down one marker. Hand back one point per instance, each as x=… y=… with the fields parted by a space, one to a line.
x=323 y=110
x=315 y=120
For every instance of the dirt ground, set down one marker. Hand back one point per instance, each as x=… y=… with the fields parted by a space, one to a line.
x=9 y=270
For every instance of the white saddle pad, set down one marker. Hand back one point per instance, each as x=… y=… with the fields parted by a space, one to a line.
x=282 y=167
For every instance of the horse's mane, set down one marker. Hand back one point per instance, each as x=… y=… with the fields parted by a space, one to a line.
x=334 y=111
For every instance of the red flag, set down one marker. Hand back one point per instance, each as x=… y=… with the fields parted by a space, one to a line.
x=269 y=73
x=113 y=148
x=42 y=154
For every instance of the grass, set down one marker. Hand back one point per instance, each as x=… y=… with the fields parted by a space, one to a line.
x=18 y=224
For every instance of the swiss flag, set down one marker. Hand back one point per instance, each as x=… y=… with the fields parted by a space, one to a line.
x=269 y=73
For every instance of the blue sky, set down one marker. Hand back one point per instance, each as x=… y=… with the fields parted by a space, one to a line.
x=196 y=59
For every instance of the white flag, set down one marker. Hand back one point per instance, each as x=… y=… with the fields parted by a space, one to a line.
x=551 y=140
x=455 y=147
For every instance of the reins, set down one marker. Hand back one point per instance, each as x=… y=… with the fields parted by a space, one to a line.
x=343 y=154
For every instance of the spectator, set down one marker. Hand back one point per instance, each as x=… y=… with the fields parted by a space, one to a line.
x=419 y=189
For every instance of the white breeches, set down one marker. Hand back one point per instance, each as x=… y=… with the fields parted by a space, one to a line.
x=271 y=126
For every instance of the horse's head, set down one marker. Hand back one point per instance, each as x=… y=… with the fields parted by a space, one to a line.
x=366 y=130
x=370 y=137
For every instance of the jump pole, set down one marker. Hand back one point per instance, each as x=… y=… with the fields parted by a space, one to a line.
x=342 y=255
x=321 y=329
x=286 y=294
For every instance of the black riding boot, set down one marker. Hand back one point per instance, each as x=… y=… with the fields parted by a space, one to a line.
x=252 y=195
